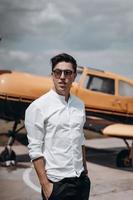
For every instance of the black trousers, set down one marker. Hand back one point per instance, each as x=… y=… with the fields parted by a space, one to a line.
x=75 y=188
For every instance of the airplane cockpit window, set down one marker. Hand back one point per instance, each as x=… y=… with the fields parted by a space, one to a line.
x=125 y=89
x=100 y=84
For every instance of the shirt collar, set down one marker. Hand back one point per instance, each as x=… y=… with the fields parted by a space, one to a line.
x=61 y=97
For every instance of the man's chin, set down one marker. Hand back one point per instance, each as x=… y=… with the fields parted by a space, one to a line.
x=61 y=92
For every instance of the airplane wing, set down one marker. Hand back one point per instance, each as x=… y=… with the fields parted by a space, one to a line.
x=109 y=128
x=124 y=131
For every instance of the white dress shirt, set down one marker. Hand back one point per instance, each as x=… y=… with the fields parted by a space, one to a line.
x=55 y=131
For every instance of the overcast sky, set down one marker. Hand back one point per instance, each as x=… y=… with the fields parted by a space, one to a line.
x=98 y=33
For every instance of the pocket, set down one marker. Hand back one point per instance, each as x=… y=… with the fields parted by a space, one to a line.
x=54 y=191
x=87 y=181
x=86 y=184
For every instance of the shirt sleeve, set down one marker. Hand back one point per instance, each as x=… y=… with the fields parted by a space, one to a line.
x=34 y=124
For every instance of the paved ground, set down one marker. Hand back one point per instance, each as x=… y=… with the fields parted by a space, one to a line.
x=108 y=182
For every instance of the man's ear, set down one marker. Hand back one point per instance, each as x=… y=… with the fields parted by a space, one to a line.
x=51 y=75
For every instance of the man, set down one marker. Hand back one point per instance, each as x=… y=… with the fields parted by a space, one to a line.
x=54 y=124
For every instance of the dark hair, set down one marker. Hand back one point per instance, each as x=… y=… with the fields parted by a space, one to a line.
x=63 y=57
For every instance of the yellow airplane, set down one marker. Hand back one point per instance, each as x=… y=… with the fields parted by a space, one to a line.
x=108 y=101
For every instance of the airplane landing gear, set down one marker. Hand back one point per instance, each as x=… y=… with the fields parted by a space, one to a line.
x=125 y=157
x=8 y=156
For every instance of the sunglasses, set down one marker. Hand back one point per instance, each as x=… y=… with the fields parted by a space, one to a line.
x=58 y=72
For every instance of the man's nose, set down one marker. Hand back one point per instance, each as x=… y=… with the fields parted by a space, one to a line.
x=62 y=75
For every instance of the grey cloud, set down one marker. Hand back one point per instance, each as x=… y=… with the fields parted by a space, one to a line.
x=25 y=61
x=34 y=29
x=74 y=24
x=22 y=18
x=102 y=25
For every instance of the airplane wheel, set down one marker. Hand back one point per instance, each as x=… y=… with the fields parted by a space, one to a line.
x=8 y=157
x=123 y=159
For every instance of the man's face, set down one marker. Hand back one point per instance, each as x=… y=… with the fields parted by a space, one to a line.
x=63 y=75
